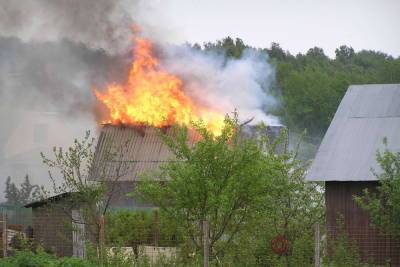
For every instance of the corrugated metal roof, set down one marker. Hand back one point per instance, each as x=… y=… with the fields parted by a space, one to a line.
x=366 y=115
x=134 y=150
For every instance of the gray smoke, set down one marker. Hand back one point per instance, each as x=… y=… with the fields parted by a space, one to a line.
x=53 y=52
x=96 y=23
x=226 y=84
x=46 y=99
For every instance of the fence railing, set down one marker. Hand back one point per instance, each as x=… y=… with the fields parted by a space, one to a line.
x=17 y=215
x=370 y=243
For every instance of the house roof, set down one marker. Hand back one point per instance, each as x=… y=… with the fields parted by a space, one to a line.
x=134 y=149
x=49 y=200
x=366 y=115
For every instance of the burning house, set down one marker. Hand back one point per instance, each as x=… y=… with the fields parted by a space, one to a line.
x=366 y=115
x=122 y=155
x=54 y=226
x=134 y=151
x=129 y=143
x=151 y=98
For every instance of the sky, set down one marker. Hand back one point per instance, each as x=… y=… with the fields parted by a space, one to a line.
x=296 y=25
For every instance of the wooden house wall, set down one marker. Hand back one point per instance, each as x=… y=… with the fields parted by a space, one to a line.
x=119 y=196
x=373 y=245
x=53 y=230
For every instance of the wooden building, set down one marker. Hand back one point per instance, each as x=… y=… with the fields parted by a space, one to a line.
x=55 y=227
x=123 y=154
x=366 y=115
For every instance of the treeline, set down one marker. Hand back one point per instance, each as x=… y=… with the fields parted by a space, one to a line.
x=311 y=85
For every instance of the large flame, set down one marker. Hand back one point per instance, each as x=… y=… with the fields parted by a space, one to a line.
x=154 y=97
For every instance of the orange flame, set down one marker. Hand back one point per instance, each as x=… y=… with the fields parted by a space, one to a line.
x=154 y=97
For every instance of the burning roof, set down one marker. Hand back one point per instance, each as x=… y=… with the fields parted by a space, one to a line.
x=139 y=149
x=134 y=149
x=154 y=97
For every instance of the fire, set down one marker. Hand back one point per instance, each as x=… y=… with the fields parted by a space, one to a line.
x=154 y=97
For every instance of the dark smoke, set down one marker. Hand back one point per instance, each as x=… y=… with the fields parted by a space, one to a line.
x=52 y=53
x=96 y=23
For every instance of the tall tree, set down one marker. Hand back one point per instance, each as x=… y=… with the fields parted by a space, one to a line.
x=89 y=183
x=26 y=192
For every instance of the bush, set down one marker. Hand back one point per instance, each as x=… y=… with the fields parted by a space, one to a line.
x=42 y=259
x=132 y=228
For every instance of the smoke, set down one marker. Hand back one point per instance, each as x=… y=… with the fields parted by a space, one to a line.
x=45 y=93
x=96 y=23
x=52 y=53
x=226 y=84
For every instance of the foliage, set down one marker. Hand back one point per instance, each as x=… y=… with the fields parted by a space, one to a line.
x=291 y=208
x=311 y=85
x=247 y=192
x=87 y=191
x=227 y=46
x=26 y=192
x=344 y=253
x=72 y=166
x=131 y=228
x=383 y=205
x=41 y=259
x=219 y=179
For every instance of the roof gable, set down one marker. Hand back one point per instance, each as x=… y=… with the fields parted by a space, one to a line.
x=366 y=115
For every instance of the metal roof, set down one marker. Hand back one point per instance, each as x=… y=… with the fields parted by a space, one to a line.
x=52 y=199
x=366 y=115
x=135 y=149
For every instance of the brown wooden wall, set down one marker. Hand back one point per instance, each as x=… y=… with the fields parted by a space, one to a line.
x=53 y=230
x=373 y=245
x=119 y=196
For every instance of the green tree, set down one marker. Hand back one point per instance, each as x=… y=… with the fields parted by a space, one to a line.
x=221 y=179
x=311 y=85
x=229 y=47
x=276 y=52
x=344 y=54
x=26 y=192
x=11 y=192
x=290 y=208
x=90 y=183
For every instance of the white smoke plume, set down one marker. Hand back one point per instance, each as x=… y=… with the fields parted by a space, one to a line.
x=226 y=84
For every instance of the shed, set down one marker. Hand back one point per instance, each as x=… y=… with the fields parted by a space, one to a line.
x=366 y=115
x=55 y=228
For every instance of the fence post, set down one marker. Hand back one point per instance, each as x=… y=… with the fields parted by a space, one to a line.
x=206 y=244
x=101 y=238
x=4 y=234
x=317 y=248
x=156 y=232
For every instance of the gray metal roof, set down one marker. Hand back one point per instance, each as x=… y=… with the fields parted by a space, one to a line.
x=366 y=115
x=135 y=150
